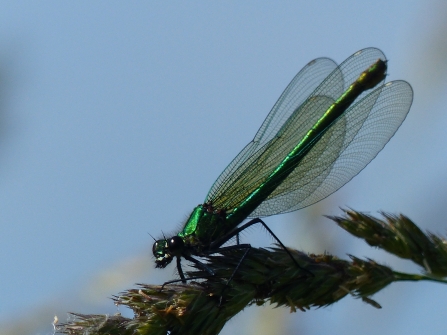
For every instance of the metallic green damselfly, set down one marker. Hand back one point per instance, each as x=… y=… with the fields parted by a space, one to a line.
x=326 y=126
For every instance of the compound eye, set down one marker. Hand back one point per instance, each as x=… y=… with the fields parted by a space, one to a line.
x=155 y=248
x=175 y=245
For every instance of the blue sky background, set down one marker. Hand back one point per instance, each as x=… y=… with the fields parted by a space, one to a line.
x=116 y=118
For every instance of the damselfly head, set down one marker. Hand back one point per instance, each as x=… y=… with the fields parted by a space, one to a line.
x=164 y=250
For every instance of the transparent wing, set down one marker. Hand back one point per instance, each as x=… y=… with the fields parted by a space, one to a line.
x=328 y=165
x=299 y=89
x=343 y=151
